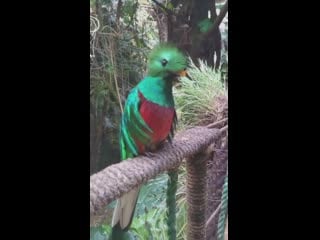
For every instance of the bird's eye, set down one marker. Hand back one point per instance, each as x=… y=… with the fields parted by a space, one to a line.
x=164 y=62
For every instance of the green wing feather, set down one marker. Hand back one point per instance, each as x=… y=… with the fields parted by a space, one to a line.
x=173 y=128
x=133 y=127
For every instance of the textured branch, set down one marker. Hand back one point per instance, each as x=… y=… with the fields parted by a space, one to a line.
x=197 y=195
x=117 y=179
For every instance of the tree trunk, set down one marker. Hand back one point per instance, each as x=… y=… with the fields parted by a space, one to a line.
x=184 y=31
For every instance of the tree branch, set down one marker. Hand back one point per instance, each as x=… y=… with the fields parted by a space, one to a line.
x=118 y=12
x=218 y=20
x=120 y=178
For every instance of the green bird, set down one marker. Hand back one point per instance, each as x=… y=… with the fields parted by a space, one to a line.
x=149 y=119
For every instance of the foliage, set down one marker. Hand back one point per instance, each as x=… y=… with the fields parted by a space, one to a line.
x=120 y=40
x=150 y=217
x=205 y=25
x=195 y=99
x=100 y=233
x=224 y=50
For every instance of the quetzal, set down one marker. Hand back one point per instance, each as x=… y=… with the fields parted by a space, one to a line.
x=148 y=119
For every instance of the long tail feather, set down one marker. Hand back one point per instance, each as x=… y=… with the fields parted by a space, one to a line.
x=123 y=213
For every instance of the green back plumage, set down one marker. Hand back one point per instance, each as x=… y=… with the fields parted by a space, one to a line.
x=132 y=124
x=165 y=61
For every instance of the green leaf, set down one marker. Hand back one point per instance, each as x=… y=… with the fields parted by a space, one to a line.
x=205 y=25
x=97 y=233
x=170 y=6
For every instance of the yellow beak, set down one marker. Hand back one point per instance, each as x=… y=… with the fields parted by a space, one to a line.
x=183 y=73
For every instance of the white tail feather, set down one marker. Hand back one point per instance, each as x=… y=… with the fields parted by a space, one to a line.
x=125 y=208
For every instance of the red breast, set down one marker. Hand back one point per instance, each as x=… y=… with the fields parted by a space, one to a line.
x=158 y=118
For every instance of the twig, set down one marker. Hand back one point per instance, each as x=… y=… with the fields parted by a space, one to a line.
x=167 y=11
x=224 y=128
x=212 y=125
x=213 y=215
x=116 y=79
x=95 y=22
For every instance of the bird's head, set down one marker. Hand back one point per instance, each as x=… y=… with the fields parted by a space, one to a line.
x=167 y=61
